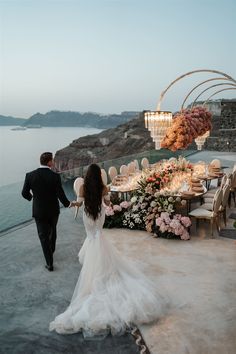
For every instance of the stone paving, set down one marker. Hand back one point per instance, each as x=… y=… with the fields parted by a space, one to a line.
x=30 y=296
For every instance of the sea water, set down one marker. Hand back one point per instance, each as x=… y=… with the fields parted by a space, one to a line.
x=19 y=153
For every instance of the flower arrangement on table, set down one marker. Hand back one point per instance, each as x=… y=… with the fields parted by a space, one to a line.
x=153 y=200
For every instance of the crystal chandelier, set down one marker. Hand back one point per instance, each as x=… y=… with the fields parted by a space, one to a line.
x=157 y=122
x=200 y=140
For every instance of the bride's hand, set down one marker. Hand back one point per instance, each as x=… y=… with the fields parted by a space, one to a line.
x=73 y=204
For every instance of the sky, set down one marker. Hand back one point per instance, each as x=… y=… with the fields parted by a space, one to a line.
x=109 y=56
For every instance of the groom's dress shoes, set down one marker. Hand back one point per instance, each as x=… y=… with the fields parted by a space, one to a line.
x=49 y=268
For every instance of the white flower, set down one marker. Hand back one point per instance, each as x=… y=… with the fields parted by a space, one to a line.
x=153 y=204
x=133 y=199
x=135 y=208
x=170 y=208
x=157 y=194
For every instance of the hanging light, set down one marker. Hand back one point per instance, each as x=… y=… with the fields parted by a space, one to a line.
x=157 y=122
x=200 y=140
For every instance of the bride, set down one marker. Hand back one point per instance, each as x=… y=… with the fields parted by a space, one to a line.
x=111 y=293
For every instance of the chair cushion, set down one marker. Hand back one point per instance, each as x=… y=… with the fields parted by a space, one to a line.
x=199 y=212
x=207 y=206
x=208 y=200
x=209 y=194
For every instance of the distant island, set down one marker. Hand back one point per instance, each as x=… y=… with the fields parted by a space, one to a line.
x=71 y=119
x=8 y=120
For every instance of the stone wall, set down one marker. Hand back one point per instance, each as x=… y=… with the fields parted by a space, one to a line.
x=223 y=134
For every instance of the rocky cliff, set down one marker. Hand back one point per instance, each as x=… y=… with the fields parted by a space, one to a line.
x=125 y=139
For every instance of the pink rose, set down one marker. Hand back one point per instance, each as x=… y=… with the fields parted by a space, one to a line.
x=109 y=211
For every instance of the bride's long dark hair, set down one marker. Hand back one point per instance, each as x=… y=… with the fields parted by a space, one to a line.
x=93 y=187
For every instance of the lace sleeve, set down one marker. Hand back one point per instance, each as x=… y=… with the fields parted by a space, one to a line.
x=80 y=199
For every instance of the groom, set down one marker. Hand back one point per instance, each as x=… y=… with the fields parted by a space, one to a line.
x=45 y=188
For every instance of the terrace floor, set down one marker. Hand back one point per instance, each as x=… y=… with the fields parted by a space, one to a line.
x=197 y=277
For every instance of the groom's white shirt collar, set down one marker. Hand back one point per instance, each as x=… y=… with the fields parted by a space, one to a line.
x=43 y=166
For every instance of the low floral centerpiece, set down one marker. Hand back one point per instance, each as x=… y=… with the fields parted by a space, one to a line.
x=172 y=227
x=115 y=213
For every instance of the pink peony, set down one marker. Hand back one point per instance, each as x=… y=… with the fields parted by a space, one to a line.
x=185 y=235
x=109 y=211
x=163 y=227
x=125 y=204
x=185 y=220
x=117 y=207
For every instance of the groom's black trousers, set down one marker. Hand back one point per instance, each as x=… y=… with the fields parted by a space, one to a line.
x=47 y=231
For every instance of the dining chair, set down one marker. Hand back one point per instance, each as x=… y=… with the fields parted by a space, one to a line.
x=77 y=184
x=215 y=163
x=208 y=197
x=112 y=172
x=144 y=163
x=211 y=215
x=124 y=170
x=225 y=199
x=209 y=205
x=136 y=165
x=233 y=188
x=104 y=176
x=131 y=167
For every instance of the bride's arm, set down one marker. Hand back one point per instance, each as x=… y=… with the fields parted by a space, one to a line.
x=106 y=196
x=80 y=197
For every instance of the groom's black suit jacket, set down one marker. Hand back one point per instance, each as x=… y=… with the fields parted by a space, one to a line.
x=47 y=189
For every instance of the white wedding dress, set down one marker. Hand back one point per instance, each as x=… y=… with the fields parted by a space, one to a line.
x=111 y=293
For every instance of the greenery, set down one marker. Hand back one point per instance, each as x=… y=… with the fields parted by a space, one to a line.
x=166 y=234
